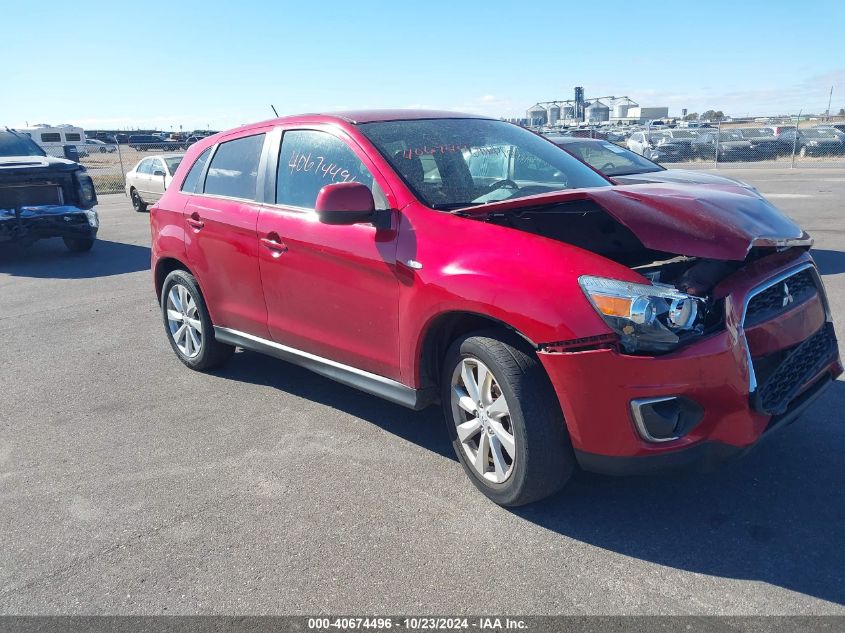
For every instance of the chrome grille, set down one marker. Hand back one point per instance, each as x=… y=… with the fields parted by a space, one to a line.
x=780 y=297
x=30 y=195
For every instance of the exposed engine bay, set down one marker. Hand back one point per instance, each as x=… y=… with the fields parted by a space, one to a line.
x=678 y=303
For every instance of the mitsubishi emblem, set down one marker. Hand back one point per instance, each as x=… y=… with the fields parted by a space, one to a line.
x=787 y=298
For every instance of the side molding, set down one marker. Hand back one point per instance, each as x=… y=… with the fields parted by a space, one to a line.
x=359 y=379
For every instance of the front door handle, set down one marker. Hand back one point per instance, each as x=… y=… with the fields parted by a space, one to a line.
x=274 y=244
x=194 y=221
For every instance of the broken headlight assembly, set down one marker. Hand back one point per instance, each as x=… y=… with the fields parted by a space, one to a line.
x=646 y=317
x=85 y=189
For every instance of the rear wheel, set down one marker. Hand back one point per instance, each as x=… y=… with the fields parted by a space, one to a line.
x=188 y=324
x=504 y=419
x=139 y=205
x=78 y=244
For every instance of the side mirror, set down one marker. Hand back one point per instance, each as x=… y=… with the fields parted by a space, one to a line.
x=158 y=172
x=346 y=203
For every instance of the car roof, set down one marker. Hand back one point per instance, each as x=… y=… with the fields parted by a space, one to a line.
x=372 y=116
x=349 y=117
x=358 y=116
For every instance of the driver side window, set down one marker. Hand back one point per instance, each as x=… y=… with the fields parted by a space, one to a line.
x=309 y=160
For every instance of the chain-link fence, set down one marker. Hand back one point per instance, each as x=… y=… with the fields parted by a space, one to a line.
x=783 y=143
x=108 y=163
x=787 y=142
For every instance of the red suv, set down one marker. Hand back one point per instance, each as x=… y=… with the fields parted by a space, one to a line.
x=559 y=320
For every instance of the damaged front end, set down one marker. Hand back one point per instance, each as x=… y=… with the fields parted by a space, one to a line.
x=723 y=334
x=42 y=197
x=682 y=241
x=29 y=224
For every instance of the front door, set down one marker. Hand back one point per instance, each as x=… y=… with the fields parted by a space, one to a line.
x=330 y=290
x=221 y=240
x=157 y=180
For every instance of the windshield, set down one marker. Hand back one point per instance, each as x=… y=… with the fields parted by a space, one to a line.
x=755 y=131
x=172 y=163
x=453 y=163
x=610 y=159
x=731 y=136
x=13 y=144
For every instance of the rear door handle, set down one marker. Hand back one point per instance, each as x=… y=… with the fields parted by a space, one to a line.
x=274 y=244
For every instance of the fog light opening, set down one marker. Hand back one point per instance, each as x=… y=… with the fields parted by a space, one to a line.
x=665 y=419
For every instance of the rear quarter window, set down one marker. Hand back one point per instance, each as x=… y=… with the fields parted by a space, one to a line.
x=189 y=185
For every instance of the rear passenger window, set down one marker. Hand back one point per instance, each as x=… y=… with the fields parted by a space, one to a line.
x=192 y=179
x=310 y=160
x=145 y=167
x=233 y=171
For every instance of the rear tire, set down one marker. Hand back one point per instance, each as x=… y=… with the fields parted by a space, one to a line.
x=139 y=205
x=188 y=324
x=527 y=453
x=78 y=244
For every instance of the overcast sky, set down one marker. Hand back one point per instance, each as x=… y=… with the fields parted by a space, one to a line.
x=106 y=64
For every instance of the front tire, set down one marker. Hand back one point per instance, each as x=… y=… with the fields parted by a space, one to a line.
x=79 y=244
x=139 y=205
x=188 y=324
x=504 y=419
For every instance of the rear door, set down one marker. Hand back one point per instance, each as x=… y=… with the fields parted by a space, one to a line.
x=221 y=240
x=331 y=291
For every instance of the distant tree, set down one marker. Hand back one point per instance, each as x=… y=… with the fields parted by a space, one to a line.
x=841 y=111
x=713 y=115
x=692 y=116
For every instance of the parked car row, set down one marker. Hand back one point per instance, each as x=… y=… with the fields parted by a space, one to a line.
x=736 y=144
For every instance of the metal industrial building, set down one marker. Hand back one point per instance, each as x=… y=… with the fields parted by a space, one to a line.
x=567 y=112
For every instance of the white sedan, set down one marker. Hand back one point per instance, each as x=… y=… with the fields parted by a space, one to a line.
x=148 y=180
x=100 y=146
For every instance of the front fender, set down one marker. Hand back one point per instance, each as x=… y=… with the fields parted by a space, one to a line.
x=525 y=281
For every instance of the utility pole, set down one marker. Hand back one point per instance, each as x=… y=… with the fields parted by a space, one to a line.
x=829 y=99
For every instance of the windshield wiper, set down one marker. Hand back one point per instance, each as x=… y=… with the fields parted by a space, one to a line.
x=451 y=206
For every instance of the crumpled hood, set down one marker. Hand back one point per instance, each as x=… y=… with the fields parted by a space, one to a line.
x=714 y=222
x=681 y=176
x=9 y=164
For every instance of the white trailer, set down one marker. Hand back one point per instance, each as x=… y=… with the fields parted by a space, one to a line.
x=55 y=136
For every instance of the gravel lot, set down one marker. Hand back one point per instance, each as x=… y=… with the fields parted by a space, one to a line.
x=130 y=485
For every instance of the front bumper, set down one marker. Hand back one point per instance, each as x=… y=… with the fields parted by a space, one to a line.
x=596 y=387
x=29 y=224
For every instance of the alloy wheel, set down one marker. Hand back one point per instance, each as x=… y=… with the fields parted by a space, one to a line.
x=183 y=320
x=482 y=420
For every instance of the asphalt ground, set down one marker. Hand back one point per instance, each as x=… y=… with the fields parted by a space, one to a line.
x=131 y=485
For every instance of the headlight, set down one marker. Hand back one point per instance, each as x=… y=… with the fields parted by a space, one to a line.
x=93 y=218
x=85 y=189
x=654 y=318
